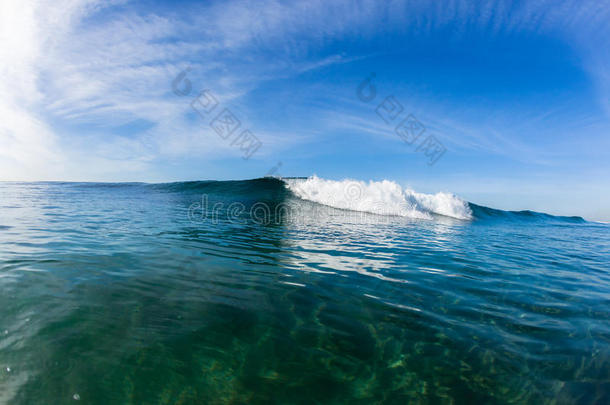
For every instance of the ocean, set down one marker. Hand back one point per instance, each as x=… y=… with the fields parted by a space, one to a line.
x=296 y=291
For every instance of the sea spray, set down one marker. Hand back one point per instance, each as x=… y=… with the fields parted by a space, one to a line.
x=379 y=197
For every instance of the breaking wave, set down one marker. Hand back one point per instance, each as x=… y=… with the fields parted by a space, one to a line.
x=375 y=197
x=379 y=197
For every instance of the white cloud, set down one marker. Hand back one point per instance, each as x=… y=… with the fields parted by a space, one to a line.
x=27 y=145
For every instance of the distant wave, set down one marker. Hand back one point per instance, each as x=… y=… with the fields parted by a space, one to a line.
x=483 y=212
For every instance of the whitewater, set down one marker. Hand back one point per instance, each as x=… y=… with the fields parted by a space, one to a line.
x=379 y=197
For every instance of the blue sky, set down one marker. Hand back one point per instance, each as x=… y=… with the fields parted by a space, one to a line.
x=518 y=93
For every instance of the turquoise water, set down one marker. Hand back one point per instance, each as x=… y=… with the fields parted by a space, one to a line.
x=169 y=294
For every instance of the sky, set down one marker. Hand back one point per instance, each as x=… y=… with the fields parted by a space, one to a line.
x=507 y=102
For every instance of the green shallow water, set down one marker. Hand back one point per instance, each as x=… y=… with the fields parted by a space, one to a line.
x=118 y=294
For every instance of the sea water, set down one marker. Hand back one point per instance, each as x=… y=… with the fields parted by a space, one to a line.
x=296 y=291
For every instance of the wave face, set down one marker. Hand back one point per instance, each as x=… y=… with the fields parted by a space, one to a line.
x=379 y=197
x=267 y=189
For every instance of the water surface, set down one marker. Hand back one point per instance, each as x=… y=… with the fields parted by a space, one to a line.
x=169 y=294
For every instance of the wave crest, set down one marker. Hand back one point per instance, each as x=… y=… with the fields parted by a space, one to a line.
x=379 y=197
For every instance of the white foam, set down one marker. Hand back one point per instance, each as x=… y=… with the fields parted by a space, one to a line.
x=379 y=197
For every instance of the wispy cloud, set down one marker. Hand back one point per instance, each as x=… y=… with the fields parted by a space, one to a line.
x=82 y=63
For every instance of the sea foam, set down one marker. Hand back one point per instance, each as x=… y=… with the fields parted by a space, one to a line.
x=379 y=197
